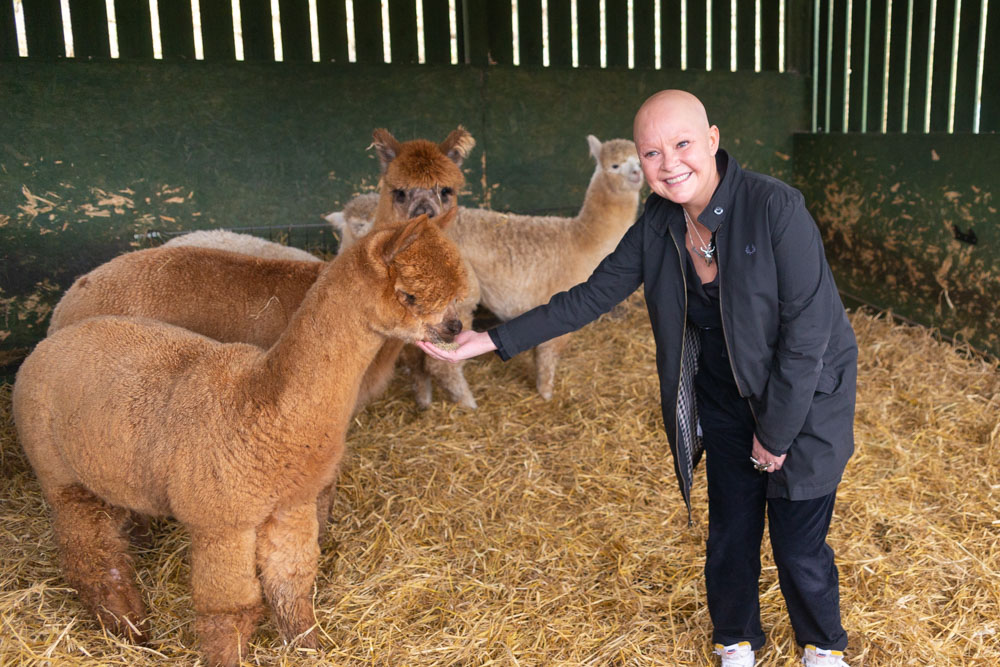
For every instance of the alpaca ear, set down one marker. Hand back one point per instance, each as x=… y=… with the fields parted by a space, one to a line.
x=457 y=145
x=403 y=237
x=336 y=219
x=444 y=220
x=386 y=147
x=595 y=147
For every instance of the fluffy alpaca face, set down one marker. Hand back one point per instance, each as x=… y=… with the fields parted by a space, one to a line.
x=428 y=277
x=420 y=177
x=618 y=159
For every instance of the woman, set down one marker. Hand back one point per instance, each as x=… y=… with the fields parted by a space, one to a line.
x=757 y=365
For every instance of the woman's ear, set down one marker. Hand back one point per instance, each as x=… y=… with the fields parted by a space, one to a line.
x=713 y=139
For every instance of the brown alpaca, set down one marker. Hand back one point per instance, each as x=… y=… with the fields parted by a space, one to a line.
x=121 y=415
x=419 y=176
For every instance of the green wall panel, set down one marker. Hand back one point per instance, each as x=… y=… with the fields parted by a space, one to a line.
x=889 y=205
x=96 y=154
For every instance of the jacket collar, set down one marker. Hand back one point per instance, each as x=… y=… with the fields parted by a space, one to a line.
x=715 y=213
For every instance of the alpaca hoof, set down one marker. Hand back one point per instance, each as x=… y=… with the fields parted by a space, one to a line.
x=118 y=606
x=468 y=402
x=224 y=637
x=546 y=394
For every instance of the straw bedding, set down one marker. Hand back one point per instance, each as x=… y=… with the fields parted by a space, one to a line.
x=553 y=533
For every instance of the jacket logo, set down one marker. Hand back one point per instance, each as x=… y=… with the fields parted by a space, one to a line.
x=750 y=249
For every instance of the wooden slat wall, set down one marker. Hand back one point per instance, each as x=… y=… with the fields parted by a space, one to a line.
x=485 y=35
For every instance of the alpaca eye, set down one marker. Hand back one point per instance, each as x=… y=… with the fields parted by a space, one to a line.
x=446 y=192
x=614 y=166
x=399 y=196
x=409 y=298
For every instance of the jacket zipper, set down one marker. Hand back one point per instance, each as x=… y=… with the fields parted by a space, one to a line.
x=729 y=351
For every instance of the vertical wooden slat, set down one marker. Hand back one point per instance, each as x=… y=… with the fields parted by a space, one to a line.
x=258 y=35
x=296 y=42
x=560 y=34
x=896 y=55
x=437 y=32
x=501 y=36
x=616 y=23
x=942 y=65
x=135 y=35
x=697 y=29
x=745 y=36
x=368 y=31
x=43 y=29
x=217 y=38
x=918 y=65
x=989 y=120
x=770 y=12
x=965 y=88
x=403 y=31
x=670 y=34
x=876 y=65
x=643 y=31
x=331 y=19
x=835 y=66
x=89 y=19
x=529 y=28
x=721 y=42
x=8 y=32
x=176 y=30
x=588 y=32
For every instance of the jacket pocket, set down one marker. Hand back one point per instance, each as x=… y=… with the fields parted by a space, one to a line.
x=828 y=382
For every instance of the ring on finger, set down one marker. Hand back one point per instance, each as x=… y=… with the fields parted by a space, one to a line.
x=760 y=466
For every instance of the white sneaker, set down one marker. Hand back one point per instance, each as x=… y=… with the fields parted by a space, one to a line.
x=820 y=657
x=736 y=655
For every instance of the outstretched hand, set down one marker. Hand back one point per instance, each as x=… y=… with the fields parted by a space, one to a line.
x=470 y=344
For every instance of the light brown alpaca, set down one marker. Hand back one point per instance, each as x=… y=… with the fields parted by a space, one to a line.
x=419 y=176
x=520 y=261
x=121 y=415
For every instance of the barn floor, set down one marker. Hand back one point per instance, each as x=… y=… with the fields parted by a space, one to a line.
x=534 y=533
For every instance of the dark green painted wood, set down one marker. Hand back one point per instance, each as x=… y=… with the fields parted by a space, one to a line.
x=942 y=65
x=697 y=28
x=888 y=207
x=217 y=40
x=403 y=31
x=8 y=32
x=876 y=66
x=500 y=33
x=331 y=20
x=918 y=65
x=89 y=19
x=616 y=24
x=258 y=33
x=770 y=38
x=474 y=34
x=529 y=26
x=43 y=29
x=644 y=33
x=368 y=32
x=588 y=32
x=857 y=67
x=990 y=118
x=296 y=40
x=560 y=33
x=176 y=31
x=135 y=34
x=745 y=37
x=721 y=20
x=437 y=32
x=798 y=38
x=965 y=88
x=670 y=34
x=897 y=56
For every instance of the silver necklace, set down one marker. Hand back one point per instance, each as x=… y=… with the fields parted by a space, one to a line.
x=706 y=250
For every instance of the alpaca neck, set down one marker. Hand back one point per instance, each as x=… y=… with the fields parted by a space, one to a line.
x=606 y=213
x=313 y=372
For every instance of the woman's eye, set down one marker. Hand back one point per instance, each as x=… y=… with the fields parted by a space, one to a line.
x=682 y=144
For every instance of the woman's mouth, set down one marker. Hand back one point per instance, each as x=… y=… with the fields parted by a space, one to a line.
x=678 y=179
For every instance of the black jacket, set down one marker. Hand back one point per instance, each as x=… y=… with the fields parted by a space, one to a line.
x=791 y=346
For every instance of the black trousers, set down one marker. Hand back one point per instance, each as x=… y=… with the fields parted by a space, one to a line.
x=737 y=504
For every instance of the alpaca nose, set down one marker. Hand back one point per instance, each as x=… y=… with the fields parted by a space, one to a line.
x=422 y=208
x=453 y=327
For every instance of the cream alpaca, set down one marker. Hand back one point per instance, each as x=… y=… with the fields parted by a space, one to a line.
x=248 y=244
x=520 y=261
x=121 y=415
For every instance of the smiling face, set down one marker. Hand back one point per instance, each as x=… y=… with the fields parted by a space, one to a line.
x=677 y=147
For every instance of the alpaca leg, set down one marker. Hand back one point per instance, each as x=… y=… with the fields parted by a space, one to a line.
x=452 y=380
x=412 y=359
x=226 y=592
x=95 y=558
x=287 y=556
x=546 y=356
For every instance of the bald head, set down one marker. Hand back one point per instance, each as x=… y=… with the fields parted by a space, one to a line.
x=679 y=106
